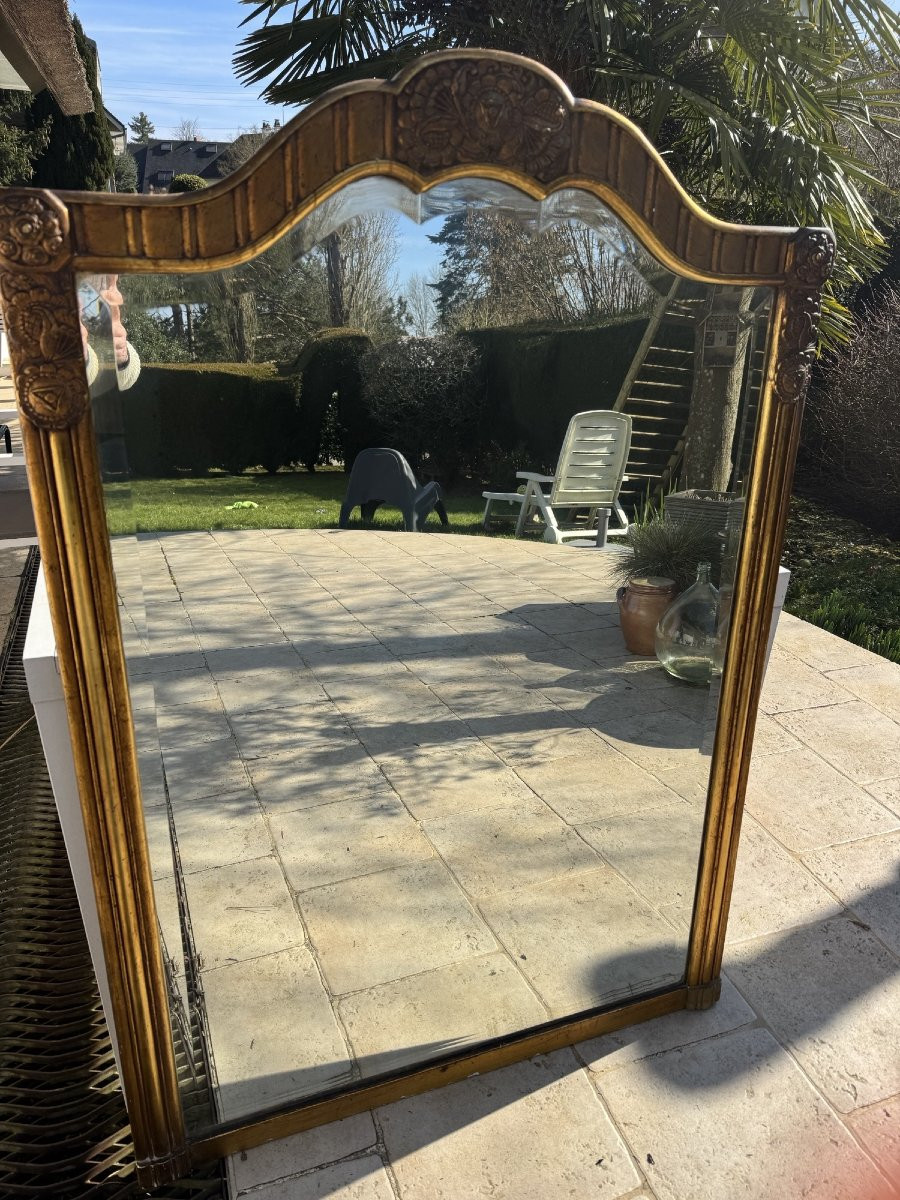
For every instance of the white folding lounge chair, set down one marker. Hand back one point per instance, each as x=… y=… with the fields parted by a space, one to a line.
x=588 y=475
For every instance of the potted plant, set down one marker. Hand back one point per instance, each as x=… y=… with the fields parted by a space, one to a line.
x=660 y=562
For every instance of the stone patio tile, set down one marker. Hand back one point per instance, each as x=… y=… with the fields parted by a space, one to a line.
x=357 y=1179
x=772 y=890
x=159 y=841
x=241 y=911
x=436 y=781
x=563 y=617
x=600 y=644
x=542 y=745
x=615 y=1050
x=657 y=740
x=511 y=846
x=878 y=1128
x=877 y=684
x=273 y=1034
x=193 y=724
x=204 y=769
x=587 y=788
x=465 y=1002
x=234 y=663
x=150 y=769
x=554 y=665
x=819 y=648
x=525 y=727
x=790 y=684
x=300 y=1152
x=865 y=875
x=586 y=940
x=352 y=837
x=533 y=1130
x=656 y=849
x=291 y=731
x=806 y=803
x=772 y=738
x=734 y=1117
x=887 y=792
x=386 y=733
x=240 y=632
x=317 y=775
x=840 y=1023
x=856 y=738
x=177 y=688
x=395 y=923
x=165 y=658
x=218 y=830
x=255 y=690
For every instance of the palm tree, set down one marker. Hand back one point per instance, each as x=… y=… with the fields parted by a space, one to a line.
x=754 y=103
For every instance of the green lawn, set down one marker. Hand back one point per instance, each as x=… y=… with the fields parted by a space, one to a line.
x=845 y=578
x=284 y=501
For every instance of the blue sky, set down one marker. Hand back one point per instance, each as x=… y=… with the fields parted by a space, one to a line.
x=173 y=60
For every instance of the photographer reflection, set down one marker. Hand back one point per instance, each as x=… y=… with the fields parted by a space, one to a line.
x=112 y=366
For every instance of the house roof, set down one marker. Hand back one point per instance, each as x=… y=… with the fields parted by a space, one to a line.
x=37 y=51
x=160 y=159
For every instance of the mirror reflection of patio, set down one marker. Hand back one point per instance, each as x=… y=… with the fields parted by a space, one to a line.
x=421 y=794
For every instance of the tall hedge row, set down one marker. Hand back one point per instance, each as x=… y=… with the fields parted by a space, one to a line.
x=231 y=417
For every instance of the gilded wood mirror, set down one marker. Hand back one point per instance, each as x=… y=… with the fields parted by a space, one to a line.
x=370 y=810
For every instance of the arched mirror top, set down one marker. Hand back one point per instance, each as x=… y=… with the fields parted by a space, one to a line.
x=450 y=115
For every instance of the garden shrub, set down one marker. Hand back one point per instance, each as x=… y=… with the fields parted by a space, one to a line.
x=851 y=440
x=334 y=423
x=197 y=417
x=537 y=378
x=188 y=183
x=426 y=394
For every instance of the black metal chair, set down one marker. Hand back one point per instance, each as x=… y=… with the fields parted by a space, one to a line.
x=383 y=476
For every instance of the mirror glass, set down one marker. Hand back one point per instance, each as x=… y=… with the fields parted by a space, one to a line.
x=419 y=775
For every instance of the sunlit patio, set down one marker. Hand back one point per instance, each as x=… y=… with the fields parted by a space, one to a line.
x=422 y=796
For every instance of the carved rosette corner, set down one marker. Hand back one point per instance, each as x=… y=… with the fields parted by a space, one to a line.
x=37 y=298
x=813 y=256
x=478 y=110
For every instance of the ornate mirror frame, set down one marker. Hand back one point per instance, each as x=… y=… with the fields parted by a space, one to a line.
x=447 y=116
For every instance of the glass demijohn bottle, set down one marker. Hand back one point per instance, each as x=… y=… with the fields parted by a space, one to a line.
x=688 y=642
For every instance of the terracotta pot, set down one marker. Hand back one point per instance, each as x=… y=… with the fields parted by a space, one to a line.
x=641 y=604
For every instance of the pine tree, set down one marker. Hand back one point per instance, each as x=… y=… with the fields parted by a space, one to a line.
x=142 y=127
x=79 y=152
x=126 y=173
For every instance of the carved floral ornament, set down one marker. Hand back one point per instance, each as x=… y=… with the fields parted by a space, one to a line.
x=482 y=111
x=33 y=230
x=38 y=308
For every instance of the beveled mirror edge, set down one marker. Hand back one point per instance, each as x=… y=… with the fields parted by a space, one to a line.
x=41 y=244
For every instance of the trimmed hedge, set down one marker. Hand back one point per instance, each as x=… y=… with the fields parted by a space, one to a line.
x=231 y=416
x=194 y=417
x=538 y=378
x=328 y=367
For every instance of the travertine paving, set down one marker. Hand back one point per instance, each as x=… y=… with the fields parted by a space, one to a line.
x=521 y=795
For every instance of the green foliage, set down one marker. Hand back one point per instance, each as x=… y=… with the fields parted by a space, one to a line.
x=20 y=139
x=125 y=173
x=852 y=428
x=79 y=152
x=668 y=549
x=427 y=397
x=844 y=577
x=187 y=183
x=195 y=418
x=142 y=127
x=538 y=377
x=334 y=423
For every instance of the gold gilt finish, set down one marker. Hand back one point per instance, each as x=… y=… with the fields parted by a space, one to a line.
x=449 y=115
